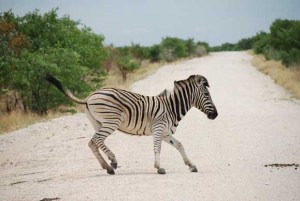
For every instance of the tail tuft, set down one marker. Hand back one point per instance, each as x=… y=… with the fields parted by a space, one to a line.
x=59 y=86
x=55 y=82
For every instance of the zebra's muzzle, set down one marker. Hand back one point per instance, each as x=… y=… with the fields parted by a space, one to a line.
x=212 y=115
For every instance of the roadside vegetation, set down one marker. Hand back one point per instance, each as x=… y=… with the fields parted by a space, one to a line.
x=35 y=44
x=277 y=53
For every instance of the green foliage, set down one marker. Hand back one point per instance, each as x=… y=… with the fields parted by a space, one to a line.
x=224 y=47
x=35 y=44
x=285 y=39
x=285 y=34
x=172 y=48
x=176 y=46
x=261 y=42
x=138 y=52
x=282 y=43
x=190 y=46
x=154 y=53
x=291 y=58
x=204 y=44
x=12 y=42
x=126 y=65
x=244 y=44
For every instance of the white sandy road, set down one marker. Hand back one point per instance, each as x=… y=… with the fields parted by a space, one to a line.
x=258 y=124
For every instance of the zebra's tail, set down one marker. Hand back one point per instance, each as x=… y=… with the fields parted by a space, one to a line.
x=59 y=86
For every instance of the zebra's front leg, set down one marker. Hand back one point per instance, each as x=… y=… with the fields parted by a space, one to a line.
x=157 y=138
x=175 y=143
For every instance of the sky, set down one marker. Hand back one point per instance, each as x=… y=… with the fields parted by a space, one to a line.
x=146 y=22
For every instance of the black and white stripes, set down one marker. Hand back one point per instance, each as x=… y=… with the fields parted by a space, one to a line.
x=112 y=109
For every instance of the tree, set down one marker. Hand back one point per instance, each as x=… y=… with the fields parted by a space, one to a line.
x=154 y=53
x=125 y=65
x=190 y=46
x=47 y=43
x=176 y=46
x=260 y=41
x=244 y=44
x=138 y=52
x=12 y=42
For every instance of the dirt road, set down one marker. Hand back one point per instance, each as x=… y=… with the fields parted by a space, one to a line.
x=258 y=125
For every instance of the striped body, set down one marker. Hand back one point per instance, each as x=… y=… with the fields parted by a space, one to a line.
x=137 y=116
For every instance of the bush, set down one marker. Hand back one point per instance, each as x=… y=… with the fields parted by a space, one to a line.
x=224 y=47
x=35 y=44
x=283 y=42
x=167 y=55
x=271 y=53
x=291 y=58
x=176 y=45
x=260 y=42
x=154 y=53
x=125 y=64
x=244 y=44
x=285 y=34
x=190 y=46
x=200 y=51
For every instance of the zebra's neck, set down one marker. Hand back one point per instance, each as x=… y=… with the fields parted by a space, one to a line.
x=180 y=102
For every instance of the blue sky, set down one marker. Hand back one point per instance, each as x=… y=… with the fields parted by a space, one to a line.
x=147 y=21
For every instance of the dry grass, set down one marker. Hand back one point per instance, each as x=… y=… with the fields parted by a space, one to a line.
x=18 y=119
x=288 y=78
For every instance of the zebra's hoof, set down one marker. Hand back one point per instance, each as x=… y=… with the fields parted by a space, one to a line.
x=111 y=171
x=114 y=165
x=193 y=169
x=161 y=171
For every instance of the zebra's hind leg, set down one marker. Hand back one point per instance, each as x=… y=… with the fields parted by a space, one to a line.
x=175 y=143
x=95 y=149
x=103 y=129
x=98 y=139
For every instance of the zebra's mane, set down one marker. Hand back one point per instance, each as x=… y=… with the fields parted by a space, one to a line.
x=165 y=92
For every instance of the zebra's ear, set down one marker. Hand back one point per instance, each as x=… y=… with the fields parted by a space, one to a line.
x=197 y=79
x=204 y=82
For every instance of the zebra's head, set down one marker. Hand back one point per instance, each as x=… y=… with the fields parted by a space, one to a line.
x=201 y=98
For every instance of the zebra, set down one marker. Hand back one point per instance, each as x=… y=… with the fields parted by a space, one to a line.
x=111 y=109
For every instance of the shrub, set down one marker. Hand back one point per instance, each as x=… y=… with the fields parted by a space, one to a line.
x=35 y=44
x=200 y=51
x=125 y=64
x=291 y=58
x=154 y=53
x=244 y=44
x=176 y=45
x=167 y=55
x=260 y=42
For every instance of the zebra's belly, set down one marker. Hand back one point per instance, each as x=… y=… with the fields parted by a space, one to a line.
x=136 y=130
